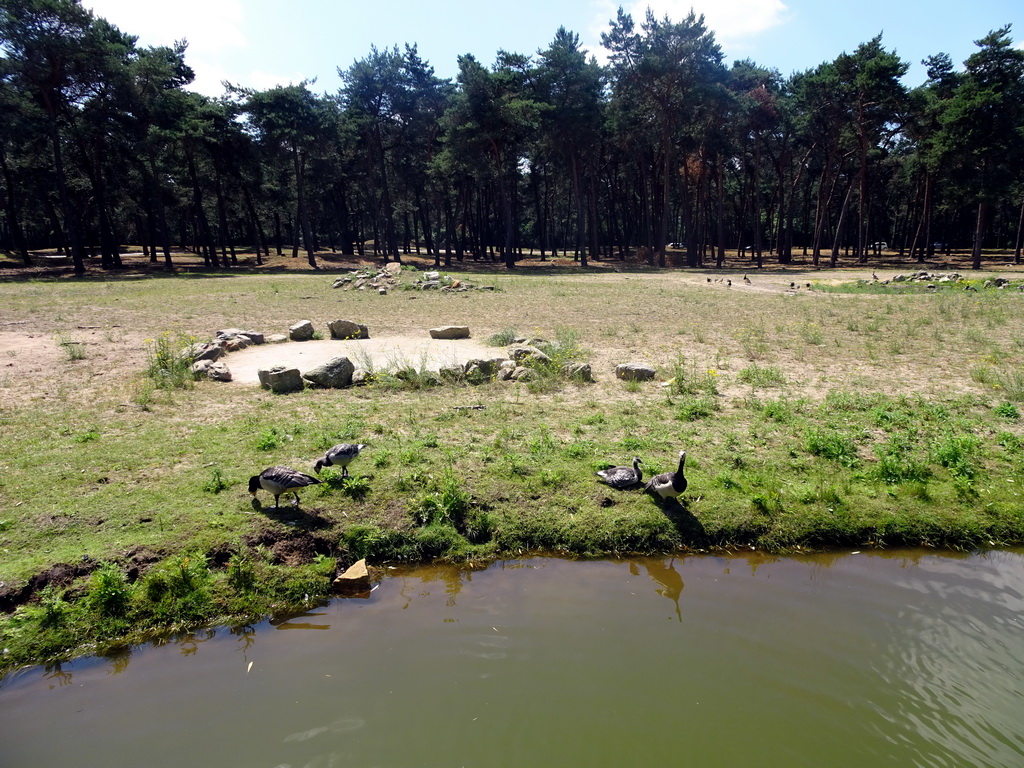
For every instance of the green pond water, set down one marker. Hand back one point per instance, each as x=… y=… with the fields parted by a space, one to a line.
x=871 y=659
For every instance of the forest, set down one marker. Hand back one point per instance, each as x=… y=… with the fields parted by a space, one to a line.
x=665 y=152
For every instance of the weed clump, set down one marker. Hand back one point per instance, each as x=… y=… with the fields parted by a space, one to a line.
x=170 y=360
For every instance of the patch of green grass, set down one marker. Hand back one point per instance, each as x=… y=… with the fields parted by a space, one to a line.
x=832 y=445
x=760 y=377
x=1007 y=411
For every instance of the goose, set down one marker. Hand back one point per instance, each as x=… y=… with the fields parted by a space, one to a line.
x=339 y=456
x=669 y=484
x=277 y=480
x=746 y=280
x=622 y=477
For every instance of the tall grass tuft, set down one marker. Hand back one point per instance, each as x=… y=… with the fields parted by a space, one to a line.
x=73 y=350
x=170 y=364
x=691 y=379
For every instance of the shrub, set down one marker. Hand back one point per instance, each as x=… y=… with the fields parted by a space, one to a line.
x=696 y=408
x=109 y=592
x=688 y=379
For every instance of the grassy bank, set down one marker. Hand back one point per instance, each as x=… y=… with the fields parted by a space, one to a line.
x=840 y=415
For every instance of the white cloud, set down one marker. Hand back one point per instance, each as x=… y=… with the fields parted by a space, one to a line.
x=733 y=21
x=208 y=25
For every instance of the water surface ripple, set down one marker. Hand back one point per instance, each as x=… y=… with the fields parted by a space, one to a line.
x=873 y=659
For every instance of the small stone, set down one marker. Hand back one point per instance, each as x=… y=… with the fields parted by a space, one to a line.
x=634 y=372
x=521 y=373
x=354 y=581
x=578 y=372
x=276 y=338
x=527 y=353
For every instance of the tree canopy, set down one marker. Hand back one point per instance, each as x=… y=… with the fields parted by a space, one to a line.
x=664 y=149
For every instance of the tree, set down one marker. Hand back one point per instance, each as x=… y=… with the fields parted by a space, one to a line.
x=492 y=114
x=667 y=72
x=869 y=80
x=291 y=119
x=56 y=52
x=982 y=134
x=571 y=88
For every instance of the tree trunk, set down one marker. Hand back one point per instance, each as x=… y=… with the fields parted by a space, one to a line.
x=18 y=242
x=979 y=235
x=303 y=214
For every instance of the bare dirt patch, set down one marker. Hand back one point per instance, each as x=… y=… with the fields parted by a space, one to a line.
x=386 y=353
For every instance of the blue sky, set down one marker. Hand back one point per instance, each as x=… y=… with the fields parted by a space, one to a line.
x=262 y=43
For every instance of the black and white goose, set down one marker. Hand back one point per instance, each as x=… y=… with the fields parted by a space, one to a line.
x=340 y=455
x=622 y=477
x=669 y=485
x=278 y=480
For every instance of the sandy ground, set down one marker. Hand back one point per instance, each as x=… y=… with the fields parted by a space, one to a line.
x=383 y=353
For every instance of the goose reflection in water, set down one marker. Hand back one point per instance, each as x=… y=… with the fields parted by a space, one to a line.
x=667 y=576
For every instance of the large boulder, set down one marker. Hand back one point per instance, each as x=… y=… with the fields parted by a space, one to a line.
x=301 y=331
x=450 y=332
x=334 y=374
x=346 y=329
x=280 y=379
x=634 y=372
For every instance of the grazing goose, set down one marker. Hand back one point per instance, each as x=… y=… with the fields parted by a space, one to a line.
x=339 y=456
x=277 y=480
x=669 y=484
x=622 y=477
